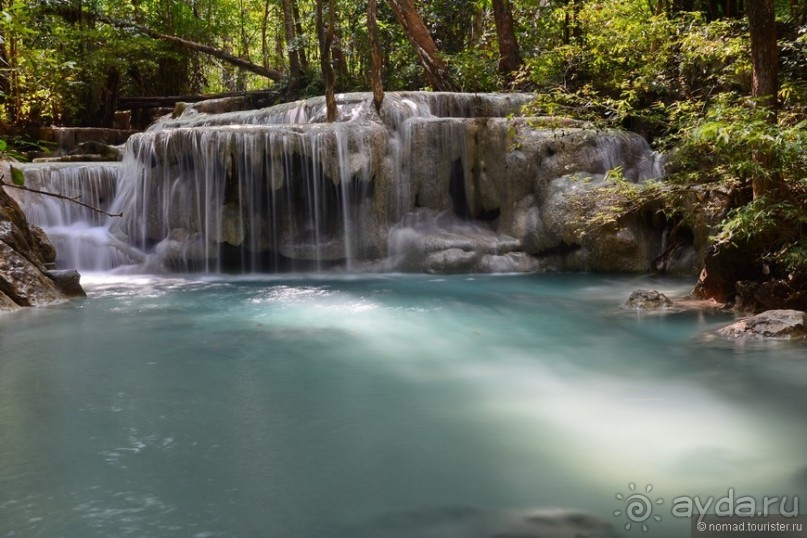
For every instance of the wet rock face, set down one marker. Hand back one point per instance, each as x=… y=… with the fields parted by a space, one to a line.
x=25 y=254
x=770 y=325
x=755 y=297
x=23 y=282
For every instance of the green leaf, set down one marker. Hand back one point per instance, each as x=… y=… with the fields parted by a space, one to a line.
x=3 y=145
x=17 y=177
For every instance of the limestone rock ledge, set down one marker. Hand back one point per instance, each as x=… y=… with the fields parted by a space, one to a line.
x=25 y=257
x=772 y=324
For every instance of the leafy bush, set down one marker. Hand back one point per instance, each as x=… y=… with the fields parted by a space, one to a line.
x=475 y=71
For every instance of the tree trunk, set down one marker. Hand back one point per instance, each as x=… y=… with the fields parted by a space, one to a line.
x=291 y=47
x=265 y=34
x=244 y=46
x=5 y=86
x=375 y=50
x=509 y=57
x=764 y=51
x=764 y=85
x=198 y=47
x=325 y=36
x=571 y=28
x=298 y=26
x=424 y=45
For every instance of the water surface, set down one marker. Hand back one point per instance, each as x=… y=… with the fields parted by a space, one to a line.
x=324 y=406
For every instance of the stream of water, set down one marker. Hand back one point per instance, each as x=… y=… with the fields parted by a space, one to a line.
x=330 y=406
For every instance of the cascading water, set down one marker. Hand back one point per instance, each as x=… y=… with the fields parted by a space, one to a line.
x=278 y=189
x=251 y=198
x=80 y=234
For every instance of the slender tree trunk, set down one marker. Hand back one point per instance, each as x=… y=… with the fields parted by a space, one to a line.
x=509 y=56
x=241 y=79
x=15 y=103
x=325 y=35
x=5 y=87
x=298 y=26
x=375 y=47
x=571 y=28
x=291 y=47
x=280 y=43
x=424 y=45
x=765 y=71
x=265 y=34
x=477 y=28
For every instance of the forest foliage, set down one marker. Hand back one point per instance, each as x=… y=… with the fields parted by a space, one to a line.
x=680 y=72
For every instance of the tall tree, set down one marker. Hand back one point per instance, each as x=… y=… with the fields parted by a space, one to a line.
x=509 y=56
x=375 y=52
x=298 y=27
x=5 y=86
x=765 y=72
x=426 y=49
x=295 y=68
x=325 y=38
x=764 y=51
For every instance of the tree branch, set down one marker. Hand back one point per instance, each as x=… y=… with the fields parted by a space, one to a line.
x=271 y=74
x=59 y=196
x=191 y=45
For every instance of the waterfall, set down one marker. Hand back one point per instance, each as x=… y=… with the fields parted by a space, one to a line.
x=437 y=176
x=252 y=198
x=80 y=235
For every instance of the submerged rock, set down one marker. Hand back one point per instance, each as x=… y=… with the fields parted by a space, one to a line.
x=773 y=324
x=648 y=300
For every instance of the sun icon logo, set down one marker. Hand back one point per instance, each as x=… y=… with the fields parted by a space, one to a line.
x=638 y=507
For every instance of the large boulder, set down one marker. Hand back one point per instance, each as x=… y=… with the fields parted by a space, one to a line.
x=773 y=324
x=25 y=256
x=24 y=282
x=68 y=281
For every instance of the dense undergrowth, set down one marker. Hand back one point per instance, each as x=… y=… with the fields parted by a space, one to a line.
x=685 y=83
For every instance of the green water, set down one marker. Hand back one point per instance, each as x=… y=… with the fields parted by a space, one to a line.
x=321 y=407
